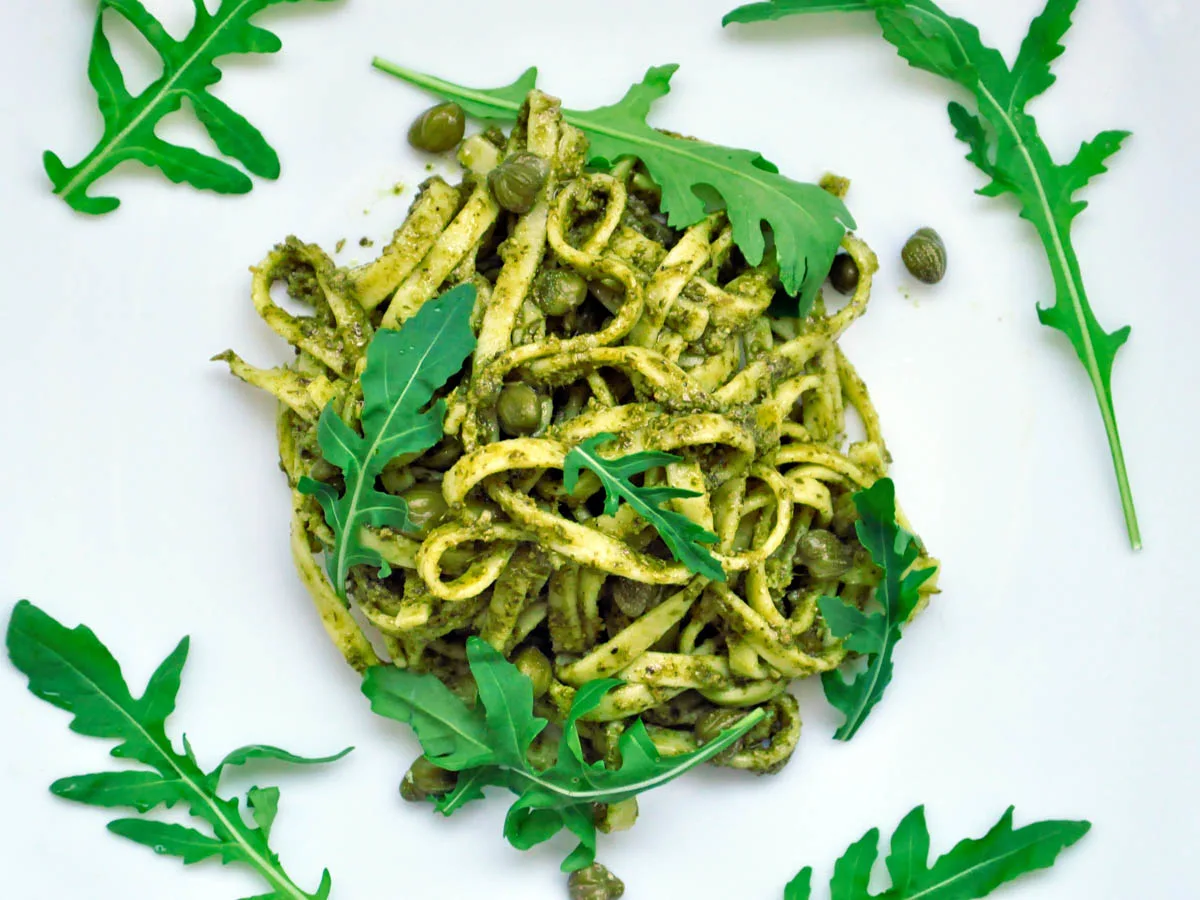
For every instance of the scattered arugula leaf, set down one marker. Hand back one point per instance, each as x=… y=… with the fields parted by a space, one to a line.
x=973 y=869
x=683 y=537
x=808 y=223
x=404 y=369
x=488 y=745
x=189 y=70
x=874 y=635
x=73 y=670
x=1005 y=145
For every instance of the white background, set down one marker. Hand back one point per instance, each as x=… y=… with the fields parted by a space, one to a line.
x=141 y=495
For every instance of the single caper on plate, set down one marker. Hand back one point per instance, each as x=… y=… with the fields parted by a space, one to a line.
x=595 y=882
x=519 y=409
x=516 y=181
x=844 y=274
x=439 y=128
x=424 y=780
x=924 y=256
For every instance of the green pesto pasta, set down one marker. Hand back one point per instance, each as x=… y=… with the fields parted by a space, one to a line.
x=593 y=316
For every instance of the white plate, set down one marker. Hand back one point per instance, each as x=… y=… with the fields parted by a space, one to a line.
x=141 y=495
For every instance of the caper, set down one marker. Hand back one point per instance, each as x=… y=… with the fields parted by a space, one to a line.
x=516 y=181
x=558 y=291
x=595 y=883
x=710 y=725
x=632 y=597
x=519 y=409
x=423 y=780
x=443 y=454
x=924 y=256
x=533 y=664
x=824 y=554
x=438 y=128
x=426 y=504
x=843 y=274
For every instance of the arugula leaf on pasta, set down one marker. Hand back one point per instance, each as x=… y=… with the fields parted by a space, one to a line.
x=685 y=538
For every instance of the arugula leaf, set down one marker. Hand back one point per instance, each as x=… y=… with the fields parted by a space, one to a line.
x=800 y=887
x=488 y=746
x=189 y=70
x=973 y=869
x=874 y=635
x=507 y=704
x=73 y=670
x=263 y=804
x=404 y=369
x=243 y=755
x=1005 y=144
x=683 y=536
x=451 y=733
x=807 y=222
x=770 y=10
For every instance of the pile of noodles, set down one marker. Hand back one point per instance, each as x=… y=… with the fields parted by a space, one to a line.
x=673 y=350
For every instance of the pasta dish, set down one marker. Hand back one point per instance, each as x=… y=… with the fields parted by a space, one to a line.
x=598 y=325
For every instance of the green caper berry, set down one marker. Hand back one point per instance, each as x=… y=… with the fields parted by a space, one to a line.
x=924 y=256
x=439 y=128
x=443 y=454
x=710 y=725
x=516 y=181
x=423 y=780
x=533 y=664
x=519 y=409
x=408 y=790
x=843 y=274
x=824 y=554
x=558 y=291
x=632 y=597
x=595 y=883
x=426 y=504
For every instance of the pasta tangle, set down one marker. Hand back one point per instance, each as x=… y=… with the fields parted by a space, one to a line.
x=667 y=344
